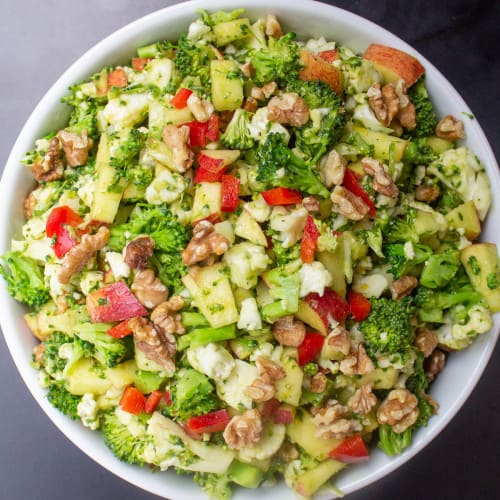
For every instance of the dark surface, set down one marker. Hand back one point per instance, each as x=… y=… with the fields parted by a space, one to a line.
x=38 y=40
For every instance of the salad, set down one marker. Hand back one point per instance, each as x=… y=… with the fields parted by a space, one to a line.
x=247 y=257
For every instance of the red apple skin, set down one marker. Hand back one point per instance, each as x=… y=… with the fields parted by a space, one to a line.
x=316 y=68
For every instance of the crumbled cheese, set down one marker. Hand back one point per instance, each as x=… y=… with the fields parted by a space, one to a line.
x=258 y=209
x=126 y=110
x=196 y=30
x=289 y=223
x=249 y=315
x=166 y=187
x=213 y=360
x=314 y=277
x=87 y=411
x=119 y=267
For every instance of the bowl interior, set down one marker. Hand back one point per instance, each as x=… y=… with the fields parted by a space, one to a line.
x=308 y=19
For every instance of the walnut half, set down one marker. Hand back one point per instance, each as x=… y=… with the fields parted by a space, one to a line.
x=348 y=204
x=331 y=421
x=243 y=430
x=148 y=289
x=382 y=181
x=289 y=331
x=399 y=410
x=205 y=242
x=289 y=109
x=450 y=129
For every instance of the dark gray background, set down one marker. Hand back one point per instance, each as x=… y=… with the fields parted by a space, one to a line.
x=39 y=39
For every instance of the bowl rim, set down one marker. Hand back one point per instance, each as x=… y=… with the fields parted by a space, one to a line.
x=108 y=46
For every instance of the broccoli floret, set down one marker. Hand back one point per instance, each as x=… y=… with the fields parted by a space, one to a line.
x=278 y=62
x=401 y=229
x=327 y=118
x=359 y=145
x=169 y=235
x=84 y=113
x=425 y=118
x=124 y=445
x=448 y=201
x=107 y=350
x=51 y=361
x=417 y=383
x=278 y=166
x=63 y=400
x=220 y=16
x=402 y=263
x=392 y=443
x=418 y=152
x=194 y=61
x=215 y=486
x=24 y=279
x=192 y=394
x=237 y=134
x=126 y=150
x=283 y=255
x=388 y=328
x=440 y=268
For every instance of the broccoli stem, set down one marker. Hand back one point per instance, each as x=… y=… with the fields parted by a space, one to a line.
x=148 y=50
x=203 y=336
x=190 y=319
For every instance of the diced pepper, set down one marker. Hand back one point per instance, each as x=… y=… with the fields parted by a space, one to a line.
x=209 y=169
x=167 y=397
x=152 y=401
x=329 y=55
x=310 y=348
x=330 y=306
x=117 y=78
x=132 y=400
x=282 y=196
x=179 y=100
x=351 y=451
x=212 y=131
x=230 y=193
x=197 y=133
x=139 y=63
x=120 y=330
x=352 y=184
x=215 y=421
x=309 y=240
x=114 y=302
x=360 y=305
x=56 y=226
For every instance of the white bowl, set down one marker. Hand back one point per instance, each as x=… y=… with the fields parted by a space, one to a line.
x=308 y=19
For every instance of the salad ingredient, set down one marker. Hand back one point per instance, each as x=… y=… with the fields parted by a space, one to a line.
x=352 y=450
x=132 y=401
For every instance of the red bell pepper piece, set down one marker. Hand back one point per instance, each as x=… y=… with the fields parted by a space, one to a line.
x=139 y=63
x=117 y=78
x=179 y=100
x=329 y=55
x=167 y=397
x=215 y=421
x=281 y=196
x=56 y=226
x=152 y=401
x=230 y=193
x=310 y=348
x=197 y=133
x=360 y=305
x=120 y=330
x=114 y=302
x=352 y=184
x=212 y=128
x=209 y=169
x=309 y=240
x=132 y=400
x=351 y=451
x=330 y=306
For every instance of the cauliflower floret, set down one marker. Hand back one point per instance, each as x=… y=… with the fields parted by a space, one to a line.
x=119 y=267
x=246 y=262
x=232 y=390
x=212 y=360
x=166 y=187
x=56 y=288
x=373 y=284
x=314 y=277
x=289 y=223
x=320 y=44
x=126 y=110
x=461 y=171
x=258 y=209
x=87 y=411
x=261 y=126
x=249 y=315
x=196 y=30
x=90 y=281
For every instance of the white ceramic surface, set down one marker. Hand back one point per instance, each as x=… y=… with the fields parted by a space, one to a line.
x=308 y=19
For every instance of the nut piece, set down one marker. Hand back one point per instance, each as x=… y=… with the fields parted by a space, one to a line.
x=311 y=203
x=51 y=167
x=348 y=204
x=205 y=242
x=166 y=315
x=426 y=342
x=38 y=351
x=265 y=92
x=248 y=70
x=289 y=109
x=427 y=193
x=399 y=409
x=269 y=370
x=76 y=147
x=403 y=286
x=339 y=340
x=382 y=181
x=384 y=102
x=273 y=27
x=357 y=363
x=250 y=104
x=243 y=430
x=331 y=423
x=318 y=383
x=138 y=252
x=78 y=256
x=262 y=388
x=176 y=138
x=287 y=452
x=200 y=109
x=407 y=113
x=157 y=345
x=434 y=364
x=363 y=400
x=450 y=129
x=332 y=169
x=29 y=204
x=148 y=289
x=289 y=331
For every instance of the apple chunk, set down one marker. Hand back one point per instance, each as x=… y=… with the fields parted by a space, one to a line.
x=394 y=64
x=316 y=68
